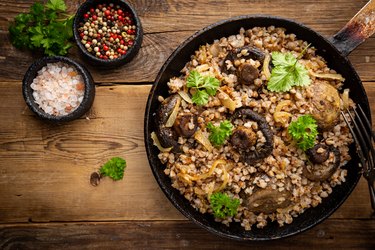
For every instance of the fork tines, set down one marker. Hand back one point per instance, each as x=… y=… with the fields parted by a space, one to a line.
x=360 y=127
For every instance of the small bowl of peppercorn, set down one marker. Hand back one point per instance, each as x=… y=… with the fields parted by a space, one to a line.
x=108 y=33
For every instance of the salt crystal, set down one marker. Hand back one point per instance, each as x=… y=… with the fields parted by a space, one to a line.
x=48 y=109
x=55 y=90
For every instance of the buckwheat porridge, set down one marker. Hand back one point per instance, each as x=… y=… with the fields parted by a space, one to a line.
x=251 y=131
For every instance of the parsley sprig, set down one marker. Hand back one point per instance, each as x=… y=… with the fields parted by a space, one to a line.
x=114 y=168
x=204 y=86
x=287 y=72
x=223 y=206
x=46 y=27
x=304 y=131
x=220 y=133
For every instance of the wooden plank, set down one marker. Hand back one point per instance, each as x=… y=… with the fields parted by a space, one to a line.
x=45 y=169
x=331 y=234
x=169 y=23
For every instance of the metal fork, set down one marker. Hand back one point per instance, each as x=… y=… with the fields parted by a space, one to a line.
x=364 y=137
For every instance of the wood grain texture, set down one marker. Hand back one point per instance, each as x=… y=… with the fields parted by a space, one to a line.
x=45 y=169
x=167 y=23
x=332 y=234
x=46 y=200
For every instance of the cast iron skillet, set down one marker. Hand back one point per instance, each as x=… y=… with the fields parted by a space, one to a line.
x=334 y=51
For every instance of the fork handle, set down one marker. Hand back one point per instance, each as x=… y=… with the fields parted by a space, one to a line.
x=357 y=30
x=372 y=195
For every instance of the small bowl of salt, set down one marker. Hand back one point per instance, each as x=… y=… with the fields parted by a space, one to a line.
x=58 y=89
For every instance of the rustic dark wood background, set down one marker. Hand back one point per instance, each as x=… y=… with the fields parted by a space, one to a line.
x=46 y=201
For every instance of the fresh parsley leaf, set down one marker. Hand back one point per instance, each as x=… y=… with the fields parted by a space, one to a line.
x=37 y=36
x=280 y=80
x=301 y=76
x=223 y=206
x=304 y=131
x=205 y=86
x=211 y=84
x=36 y=10
x=194 y=79
x=57 y=5
x=287 y=72
x=200 y=97
x=114 y=168
x=23 y=18
x=43 y=28
x=221 y=133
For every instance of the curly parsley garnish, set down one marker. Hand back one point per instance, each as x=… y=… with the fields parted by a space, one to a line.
x=223 y=206
x=114 y=168
x=205 y=86
x=287 y=72
x=46 y=27
x=221 y=133
x=304 y=131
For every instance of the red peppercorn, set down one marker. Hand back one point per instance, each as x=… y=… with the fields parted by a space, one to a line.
x=106 y=40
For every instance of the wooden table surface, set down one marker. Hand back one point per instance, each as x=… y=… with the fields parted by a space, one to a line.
x=46 y=200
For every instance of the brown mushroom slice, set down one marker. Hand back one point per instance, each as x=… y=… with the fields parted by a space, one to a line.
x=318 y=154
x=250 y=53
x=247 y=74
x=321 y=172
x=243 y=138
x=251 y=157
x=326 y=105
x=267 y=200
x=166 y=108
x=167 y=136
x=186 y=125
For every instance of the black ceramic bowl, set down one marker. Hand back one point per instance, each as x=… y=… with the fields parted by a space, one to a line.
x=173 y=66
x=102 y=63
x=32 y=72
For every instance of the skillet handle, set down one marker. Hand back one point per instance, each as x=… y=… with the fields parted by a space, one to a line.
x=357 y=30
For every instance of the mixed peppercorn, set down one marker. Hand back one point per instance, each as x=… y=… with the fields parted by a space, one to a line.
x=107 y=31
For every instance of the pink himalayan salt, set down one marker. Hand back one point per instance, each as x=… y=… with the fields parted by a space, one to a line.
x=58 y=89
